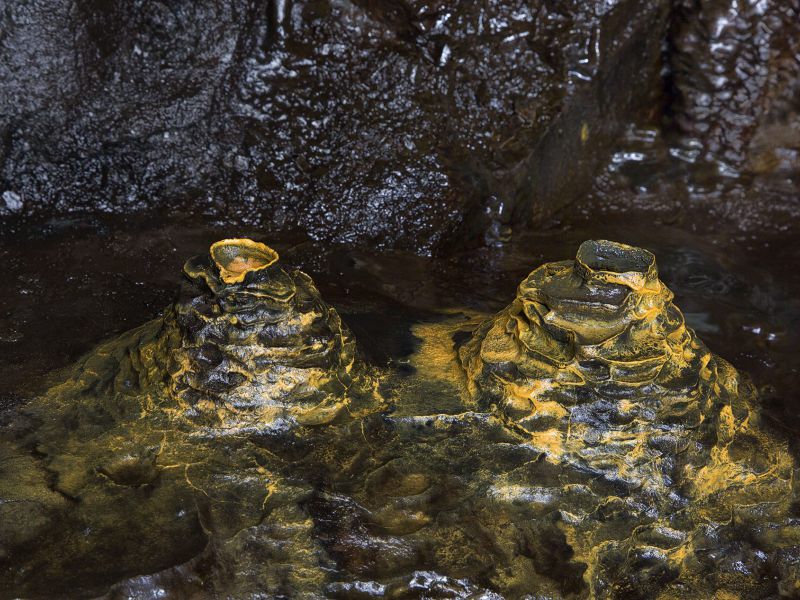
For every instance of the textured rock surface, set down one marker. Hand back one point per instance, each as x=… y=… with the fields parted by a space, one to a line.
x=394 y=123
x=735 y=69
x=595 y=364
x=263 y=349
x=580 y=443
x=154 y=449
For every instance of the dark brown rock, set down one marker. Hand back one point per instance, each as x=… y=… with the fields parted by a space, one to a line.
x=398 y=124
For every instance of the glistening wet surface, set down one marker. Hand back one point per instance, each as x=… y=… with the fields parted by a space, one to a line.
x=378 y=507
x=71 y=284
x=388 y=498
x=475 y=469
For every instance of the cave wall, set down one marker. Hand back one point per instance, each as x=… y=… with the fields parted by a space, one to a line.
x=733 y=67
x=399 y=123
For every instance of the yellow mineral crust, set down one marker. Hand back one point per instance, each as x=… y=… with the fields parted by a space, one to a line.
x=254 y=343
x=594 y=365
x=235 y=258
x=165 y=443
x=583 y=443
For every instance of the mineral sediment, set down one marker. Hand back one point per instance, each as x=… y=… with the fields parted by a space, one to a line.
x=594 y=365
x=581 y=443
x=250 y=341
x=154 y=449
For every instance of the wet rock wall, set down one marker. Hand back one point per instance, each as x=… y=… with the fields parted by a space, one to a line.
x=400 y=124
x=734 y=70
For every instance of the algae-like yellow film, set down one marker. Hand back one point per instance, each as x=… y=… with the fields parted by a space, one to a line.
x=582 y=442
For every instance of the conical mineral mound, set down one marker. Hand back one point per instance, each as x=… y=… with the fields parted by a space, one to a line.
x=594 y=366
x=250 y=342
x=161 y=445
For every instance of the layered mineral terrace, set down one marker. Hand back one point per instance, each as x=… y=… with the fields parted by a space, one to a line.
x=581 y=443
